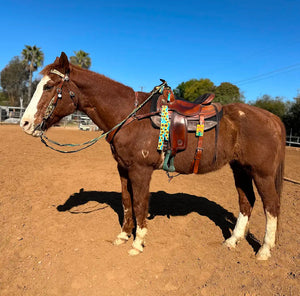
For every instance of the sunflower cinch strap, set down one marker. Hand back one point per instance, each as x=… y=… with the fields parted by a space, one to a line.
x=164 y=136
x=164 y=127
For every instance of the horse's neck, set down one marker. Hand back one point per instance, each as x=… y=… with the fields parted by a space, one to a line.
x=105 y=101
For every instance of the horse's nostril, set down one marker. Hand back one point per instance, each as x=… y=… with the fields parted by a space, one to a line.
x=25 y=124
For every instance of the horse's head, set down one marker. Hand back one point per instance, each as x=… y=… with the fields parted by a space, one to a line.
x=56 y=96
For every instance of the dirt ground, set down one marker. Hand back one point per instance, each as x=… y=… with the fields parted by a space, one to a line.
x=60 y=213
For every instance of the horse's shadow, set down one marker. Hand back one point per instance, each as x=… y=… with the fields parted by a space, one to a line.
x=161 y=204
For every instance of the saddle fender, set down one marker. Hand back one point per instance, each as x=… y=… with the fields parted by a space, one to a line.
x=178 y=133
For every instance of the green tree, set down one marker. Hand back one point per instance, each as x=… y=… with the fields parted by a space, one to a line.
x=33 y=58
x=3 y=99
x=81 y=59
x=276 y=106
x=228 y=93
x=13 y=81
x=179 y=91
x=291 y=119
x=194 y=88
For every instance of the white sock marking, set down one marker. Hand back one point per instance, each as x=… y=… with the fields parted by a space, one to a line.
x=269 y=240
x=271 y=228
x=138 y=244
x=238 y=232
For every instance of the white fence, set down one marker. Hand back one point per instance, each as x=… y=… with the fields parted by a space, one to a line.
x=293 y=141
x=7 y=112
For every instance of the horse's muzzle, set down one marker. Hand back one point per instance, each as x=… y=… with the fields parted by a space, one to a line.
x=30 y=128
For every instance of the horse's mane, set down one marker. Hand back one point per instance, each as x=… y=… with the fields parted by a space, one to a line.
x=57 y=66
x=105 y=80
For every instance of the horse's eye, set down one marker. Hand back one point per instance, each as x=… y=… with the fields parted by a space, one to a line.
x=47 y=87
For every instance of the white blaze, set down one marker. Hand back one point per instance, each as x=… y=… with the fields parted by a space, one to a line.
x=27 y=121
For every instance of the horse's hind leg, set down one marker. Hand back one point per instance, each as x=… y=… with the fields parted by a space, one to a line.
x=128 y=223
x=243 y=183
x=271 y=202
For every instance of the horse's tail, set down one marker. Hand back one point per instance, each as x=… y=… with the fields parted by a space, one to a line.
x=278 y=186
x=280 y=168
x=279 y=176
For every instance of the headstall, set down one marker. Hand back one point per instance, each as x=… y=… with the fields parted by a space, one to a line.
x=58 y=96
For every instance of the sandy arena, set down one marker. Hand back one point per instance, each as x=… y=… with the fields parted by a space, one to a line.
x=60 y=214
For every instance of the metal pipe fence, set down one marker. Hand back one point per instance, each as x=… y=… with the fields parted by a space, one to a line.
x=13 y=115
x=293 y=141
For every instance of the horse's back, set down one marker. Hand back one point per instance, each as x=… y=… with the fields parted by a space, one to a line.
x=254 y=120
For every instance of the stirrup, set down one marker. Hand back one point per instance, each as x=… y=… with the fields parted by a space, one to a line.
x=169 y=159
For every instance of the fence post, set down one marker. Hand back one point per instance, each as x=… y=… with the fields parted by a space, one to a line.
x=21 y=105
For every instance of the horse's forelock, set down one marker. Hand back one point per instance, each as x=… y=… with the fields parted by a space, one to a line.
x=56 y=65
x=46 y=70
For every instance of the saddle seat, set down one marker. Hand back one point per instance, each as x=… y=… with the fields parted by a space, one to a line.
x=187 y=108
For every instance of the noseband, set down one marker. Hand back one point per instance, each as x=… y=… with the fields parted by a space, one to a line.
x=58 y=96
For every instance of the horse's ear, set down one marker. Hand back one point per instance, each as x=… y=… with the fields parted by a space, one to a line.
x=64 y=62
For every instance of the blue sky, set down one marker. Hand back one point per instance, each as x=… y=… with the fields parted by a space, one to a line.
x=253 y=44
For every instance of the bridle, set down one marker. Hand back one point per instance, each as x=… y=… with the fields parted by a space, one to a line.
x=54 y=101
x=109 y=134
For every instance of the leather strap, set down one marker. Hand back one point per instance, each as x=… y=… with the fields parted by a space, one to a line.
x=199 y=149
x=109 y=138
x=111 y=135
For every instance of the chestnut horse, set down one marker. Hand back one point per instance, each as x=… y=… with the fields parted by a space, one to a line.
x=250 y=139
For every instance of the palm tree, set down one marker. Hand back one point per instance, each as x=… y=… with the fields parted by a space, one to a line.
x=81 y=59
x=33 y=58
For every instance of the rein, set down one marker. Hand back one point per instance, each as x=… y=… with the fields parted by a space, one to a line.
x=53 y=103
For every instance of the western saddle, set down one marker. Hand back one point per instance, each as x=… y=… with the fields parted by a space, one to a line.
x=184 y=117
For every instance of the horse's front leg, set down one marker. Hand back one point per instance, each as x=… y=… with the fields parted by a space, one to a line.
x=140 y=180
x=128 y=222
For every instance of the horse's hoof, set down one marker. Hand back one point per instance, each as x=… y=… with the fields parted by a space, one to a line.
x=134 y=252
x=230 y=243
x=121 y=239
x=264 y=253
x=137 y=248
